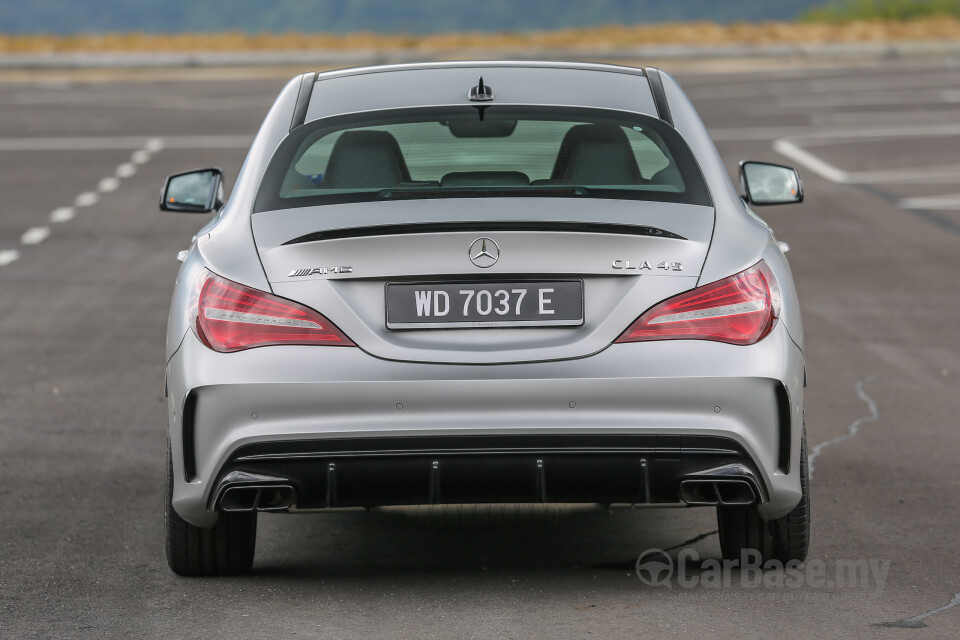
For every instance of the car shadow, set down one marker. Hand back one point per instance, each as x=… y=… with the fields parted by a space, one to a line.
x=445 y=541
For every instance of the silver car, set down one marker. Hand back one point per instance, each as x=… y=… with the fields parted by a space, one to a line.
x=483 y=282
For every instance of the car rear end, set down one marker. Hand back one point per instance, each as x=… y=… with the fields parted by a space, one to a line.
x=506 y=299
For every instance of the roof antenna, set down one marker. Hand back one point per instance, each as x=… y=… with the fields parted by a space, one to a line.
x=480 y=93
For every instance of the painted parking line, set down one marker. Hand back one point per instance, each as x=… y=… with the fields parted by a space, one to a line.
x=942 y=174
x=811 y=162
x=62 y=214
x=7 y=256
x=153 y=145
x=35 y=235
x=86 y=199
x=820 y=136
x=126 y=170
x=144 y=145
x=133 y=101
x=813 y=136
x=825 y=86
x=951 y=201
x=146 y=148
x=797 y=148
x=108 y=184
x=914 y=98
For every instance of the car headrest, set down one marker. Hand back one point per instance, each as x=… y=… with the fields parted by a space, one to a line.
x=365 y=159
x=596 y=154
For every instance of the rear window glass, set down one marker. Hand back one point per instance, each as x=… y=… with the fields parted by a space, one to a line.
x=484 y=151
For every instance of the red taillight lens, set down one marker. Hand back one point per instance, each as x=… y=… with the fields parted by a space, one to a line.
x=740 y=309
x=233 y=317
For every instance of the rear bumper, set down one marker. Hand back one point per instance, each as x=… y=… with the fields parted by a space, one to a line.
x=624 y=425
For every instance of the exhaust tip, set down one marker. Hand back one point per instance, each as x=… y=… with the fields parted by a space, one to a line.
x=698 y=492
x=269 y=498
x=239 y=499
x=727 y=492
x=276 y=498
x=735 y=492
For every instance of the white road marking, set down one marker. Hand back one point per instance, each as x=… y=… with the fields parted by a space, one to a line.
x=143 y=146
x=852 y=429
x=35 y=235
x=803 y=157
x=81 y=143
x=915 y=98
x=140 y=156
x=823 y=136
x=63 y=214
x=814 y=136
x=153 y=145
x=126 y=170
x=924 y=175
x=880 y=117
x=86 y=199
x=708 y=78
x=932 y=202
x=7 y=256
x=108 y=184
x=949 y=173
x=849 y=84
x=205 y=142
x=140 y=102
x=723 y=134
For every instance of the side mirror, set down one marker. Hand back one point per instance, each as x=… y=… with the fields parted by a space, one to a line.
x=197 y=191
x=762 y=183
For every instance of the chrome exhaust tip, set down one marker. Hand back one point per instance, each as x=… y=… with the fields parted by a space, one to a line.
x=729 y=485
x=717 y=492
x=269 y=498
x=239 y=499
x=244 y=492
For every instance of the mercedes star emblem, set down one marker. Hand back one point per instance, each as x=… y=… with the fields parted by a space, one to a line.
x=484 y=252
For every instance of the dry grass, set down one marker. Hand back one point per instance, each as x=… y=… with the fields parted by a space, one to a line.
x=593 y=39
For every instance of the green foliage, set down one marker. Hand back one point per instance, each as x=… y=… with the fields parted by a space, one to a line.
x=847 y=10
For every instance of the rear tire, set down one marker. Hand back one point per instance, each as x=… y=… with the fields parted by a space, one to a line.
x=783 y=539
x=224 y=549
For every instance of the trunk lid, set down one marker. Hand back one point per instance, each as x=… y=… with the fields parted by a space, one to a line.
x=339 y=259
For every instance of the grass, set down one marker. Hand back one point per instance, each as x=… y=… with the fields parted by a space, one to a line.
x=849 y=10
x=835 y=29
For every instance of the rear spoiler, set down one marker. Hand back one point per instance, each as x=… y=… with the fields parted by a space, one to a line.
x=483 y=227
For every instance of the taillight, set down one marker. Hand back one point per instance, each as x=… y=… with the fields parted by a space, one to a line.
x=233 y=317
x=740 y=309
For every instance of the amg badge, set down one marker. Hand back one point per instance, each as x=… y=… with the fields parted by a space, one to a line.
x=318 y=271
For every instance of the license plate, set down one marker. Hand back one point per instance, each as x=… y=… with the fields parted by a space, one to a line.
x=499 y=304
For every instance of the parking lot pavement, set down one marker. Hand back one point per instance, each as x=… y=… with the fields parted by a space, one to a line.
x=86 y=270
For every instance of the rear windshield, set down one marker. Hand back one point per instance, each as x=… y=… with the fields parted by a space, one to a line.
x=481 y=151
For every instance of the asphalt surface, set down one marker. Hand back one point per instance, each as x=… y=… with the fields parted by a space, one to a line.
x=88 y=264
